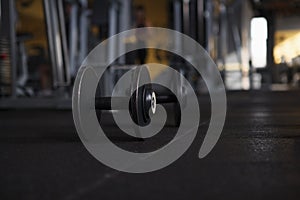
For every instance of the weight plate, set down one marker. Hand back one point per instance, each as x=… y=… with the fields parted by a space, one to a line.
x=138 y=110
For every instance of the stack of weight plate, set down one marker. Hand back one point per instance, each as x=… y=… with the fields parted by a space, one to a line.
x=5 y=68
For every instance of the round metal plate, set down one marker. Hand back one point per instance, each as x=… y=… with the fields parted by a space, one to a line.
x=140 y=77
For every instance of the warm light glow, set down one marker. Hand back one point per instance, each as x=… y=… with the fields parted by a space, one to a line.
x=288 y=49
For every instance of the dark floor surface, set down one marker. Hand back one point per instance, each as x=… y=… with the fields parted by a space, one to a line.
x=257 y=157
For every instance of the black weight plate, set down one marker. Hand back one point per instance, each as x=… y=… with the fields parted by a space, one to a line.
x=140 y=77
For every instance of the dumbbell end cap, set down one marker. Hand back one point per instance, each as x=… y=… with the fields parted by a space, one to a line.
x=153 y=102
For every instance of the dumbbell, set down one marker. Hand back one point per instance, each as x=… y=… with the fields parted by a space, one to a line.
x=143 y=99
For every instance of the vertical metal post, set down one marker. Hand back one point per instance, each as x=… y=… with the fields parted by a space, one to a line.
x=112 y=45
x=124 y=18
x=73 y=37
x=223 y=37
x=84 y=24
x=186 y=17
x=270 y=47
x=178 y=24
x=201 y=22
x=57 y=42
x=236 y=35
x=65 y=51
x=0 y=13
x=209 y=22
x=12 y=39
x=51 y=37
x=113 y=22
x=193 y=19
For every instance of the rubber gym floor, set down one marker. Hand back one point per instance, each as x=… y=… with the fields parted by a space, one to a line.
x=257 y=156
